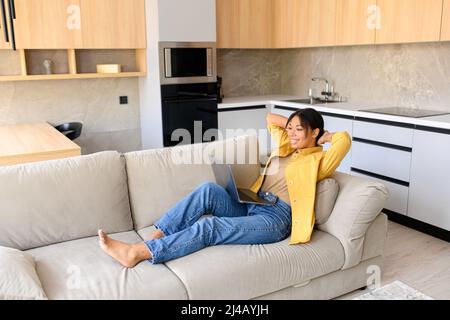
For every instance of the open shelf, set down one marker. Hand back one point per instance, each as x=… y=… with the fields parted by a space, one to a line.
x=72 y=76
x=75 y=64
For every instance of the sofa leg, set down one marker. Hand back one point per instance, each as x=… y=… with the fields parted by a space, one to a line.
x=363 y=288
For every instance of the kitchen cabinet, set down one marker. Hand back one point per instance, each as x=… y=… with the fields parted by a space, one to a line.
x=191 y=21
x=244 y=23
x=47 y=24
x=337 y=123
x=305 y=23
x=75 y=24
x=409 y=21
x=113 y=23
x=387 y=162
x=283 y=111
x=398 y=194
x=429 y=199
x=445 y=32
x=246 y=120
x=355 y=22
x=5 y=42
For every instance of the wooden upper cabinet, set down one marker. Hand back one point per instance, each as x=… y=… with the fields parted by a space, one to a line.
x=305 y=23
x=227 y=15
x=244 y=23
x=409 y=21
x=356 y=22
x=445 y=33
x=47 y=24
x=113 y=23
x=4 y=30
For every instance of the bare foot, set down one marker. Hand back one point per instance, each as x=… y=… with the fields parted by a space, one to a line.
x=157 y=234
x=128 y=255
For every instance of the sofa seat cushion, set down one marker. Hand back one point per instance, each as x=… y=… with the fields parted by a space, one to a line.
x=249 y=271
x=18 y=277
x=79 y=269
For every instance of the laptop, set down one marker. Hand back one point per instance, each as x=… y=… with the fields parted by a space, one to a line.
x=225 y=178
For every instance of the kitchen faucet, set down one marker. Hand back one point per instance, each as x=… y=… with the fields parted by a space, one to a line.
x=329 y=90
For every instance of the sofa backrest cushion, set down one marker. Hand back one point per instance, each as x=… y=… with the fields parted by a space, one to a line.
x=158 y=179
x=18 y=277
x=326 y=193
x=54 y=201
x=358 y=204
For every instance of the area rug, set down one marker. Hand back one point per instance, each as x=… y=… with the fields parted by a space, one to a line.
x=396 y=290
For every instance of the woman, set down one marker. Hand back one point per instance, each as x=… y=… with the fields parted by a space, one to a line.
x=291 y=184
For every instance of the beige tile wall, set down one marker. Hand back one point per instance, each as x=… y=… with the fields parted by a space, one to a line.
x=411 y=75
x=94 y=102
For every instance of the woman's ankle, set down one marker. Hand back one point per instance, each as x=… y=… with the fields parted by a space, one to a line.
x=141 y=252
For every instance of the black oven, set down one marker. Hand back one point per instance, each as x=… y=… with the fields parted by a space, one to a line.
x=188 y=111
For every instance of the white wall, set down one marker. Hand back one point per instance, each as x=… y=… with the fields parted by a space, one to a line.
x=149 y=87
x=187 y=20
x=169 y=20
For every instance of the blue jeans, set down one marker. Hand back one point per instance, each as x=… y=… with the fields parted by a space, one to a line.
x=231 y=223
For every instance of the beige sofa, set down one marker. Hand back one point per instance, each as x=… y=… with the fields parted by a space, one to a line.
x=50 y=213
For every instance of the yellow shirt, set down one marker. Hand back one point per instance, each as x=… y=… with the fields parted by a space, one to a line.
x=307 y=168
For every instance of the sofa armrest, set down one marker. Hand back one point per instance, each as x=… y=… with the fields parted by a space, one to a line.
x=358 y=204
x=375 y=239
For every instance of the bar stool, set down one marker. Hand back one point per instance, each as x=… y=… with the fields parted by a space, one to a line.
x=71 y=130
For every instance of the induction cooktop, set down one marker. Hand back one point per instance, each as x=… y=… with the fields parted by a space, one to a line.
x=407 y=112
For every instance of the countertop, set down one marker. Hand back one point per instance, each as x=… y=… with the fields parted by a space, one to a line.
x=355 y=109
x=32 y=142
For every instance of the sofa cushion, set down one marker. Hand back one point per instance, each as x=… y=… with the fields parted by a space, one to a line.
x=54 y=201
x=159 y=178
x=249 y=271
x=326 y=194
x=81 y=270
x=358 y=204
x=18 y=278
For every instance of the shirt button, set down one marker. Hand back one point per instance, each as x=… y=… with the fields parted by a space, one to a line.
x=291 y=182
x=295 y=201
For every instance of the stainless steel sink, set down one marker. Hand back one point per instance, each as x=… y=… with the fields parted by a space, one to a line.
x=312 y=101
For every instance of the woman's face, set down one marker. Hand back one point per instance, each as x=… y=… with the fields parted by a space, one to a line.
x=300 y=137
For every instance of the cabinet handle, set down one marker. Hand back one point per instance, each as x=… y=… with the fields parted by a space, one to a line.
x=5 y=24
x=11 y=23
x=13 y=5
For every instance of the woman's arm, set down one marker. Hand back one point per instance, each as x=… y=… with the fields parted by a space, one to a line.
x=327 y=137
x=277 y=120
x=276 y=125
x=340 y=145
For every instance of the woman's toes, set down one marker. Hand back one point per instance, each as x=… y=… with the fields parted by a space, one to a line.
x=102 y=236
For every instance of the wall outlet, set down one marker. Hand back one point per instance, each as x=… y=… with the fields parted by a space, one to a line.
x=123 y=99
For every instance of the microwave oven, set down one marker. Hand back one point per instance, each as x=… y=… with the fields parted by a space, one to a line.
x=187 y=62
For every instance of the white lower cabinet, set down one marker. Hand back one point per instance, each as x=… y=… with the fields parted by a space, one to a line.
x=248 y=120
x=283 y=111
x=388 y=162
x=398 y=194
x=429 y=195
x=335 y=124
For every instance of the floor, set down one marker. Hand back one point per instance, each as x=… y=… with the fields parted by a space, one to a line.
x=419 y=260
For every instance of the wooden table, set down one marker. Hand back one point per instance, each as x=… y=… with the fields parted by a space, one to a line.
x=33 y=142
